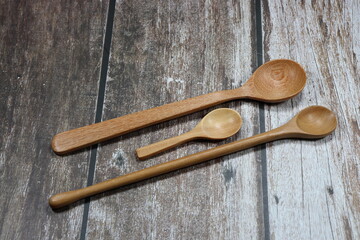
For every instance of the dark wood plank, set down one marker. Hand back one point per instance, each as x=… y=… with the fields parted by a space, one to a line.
x=164 y=52
x=314 y=186
x=49 y=71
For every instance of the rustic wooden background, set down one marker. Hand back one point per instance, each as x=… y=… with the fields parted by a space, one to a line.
x=65 y=64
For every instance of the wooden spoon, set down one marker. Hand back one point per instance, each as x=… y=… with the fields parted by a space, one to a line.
x=275 y=81
x=312 y=122
x=218 y=124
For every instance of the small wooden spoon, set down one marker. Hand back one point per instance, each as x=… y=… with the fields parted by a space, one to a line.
x=311 y=123
x=275 y=81
x=218 y=124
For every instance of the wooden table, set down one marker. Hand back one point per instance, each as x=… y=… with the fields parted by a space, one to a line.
x=65 y=64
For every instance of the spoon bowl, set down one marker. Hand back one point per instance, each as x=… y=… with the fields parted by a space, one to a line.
x=277 y=80
x=316 y=121
x=220 y=124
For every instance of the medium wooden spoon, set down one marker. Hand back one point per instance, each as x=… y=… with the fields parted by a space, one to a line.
x=275 y=81
x=218 y=124
x=311 y=123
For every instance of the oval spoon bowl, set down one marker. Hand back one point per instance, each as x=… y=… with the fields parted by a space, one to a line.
x=316 y=121
x=278 y=80
x=220 y=124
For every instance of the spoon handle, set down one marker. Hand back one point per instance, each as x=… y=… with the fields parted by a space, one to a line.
x=158 y=147
x=66 y=198
x=78 y=138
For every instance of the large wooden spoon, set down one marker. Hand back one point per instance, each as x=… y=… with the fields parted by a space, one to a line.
x=217 y=124
x=311 y=123
x=275 y=81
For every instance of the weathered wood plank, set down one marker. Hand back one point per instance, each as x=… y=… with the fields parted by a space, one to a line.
x=314 y=186
x=164 y=52
x=49 y=68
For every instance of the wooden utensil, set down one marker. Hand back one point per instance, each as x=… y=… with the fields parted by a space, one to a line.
x=274 y=81
x=217 y=124
x=311 y=123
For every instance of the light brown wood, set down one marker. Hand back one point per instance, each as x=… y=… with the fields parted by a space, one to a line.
x=274 y=81
x=216 y=125
x=311 y=123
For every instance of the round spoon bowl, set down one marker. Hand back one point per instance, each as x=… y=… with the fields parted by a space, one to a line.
x=221 y=123
x=317 y=121
x=279 y=80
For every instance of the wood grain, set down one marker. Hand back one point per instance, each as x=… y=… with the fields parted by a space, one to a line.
x=49 y=68
x=78 y=138
x=164 y=52
x=314 y=186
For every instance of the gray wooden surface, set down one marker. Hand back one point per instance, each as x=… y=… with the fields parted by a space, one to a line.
x=52 y=54
x=314 y=186
x=163 y=52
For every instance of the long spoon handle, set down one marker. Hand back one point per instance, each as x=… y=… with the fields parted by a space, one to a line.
x=158 y=147
x=78 y=138
x=66 y=198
